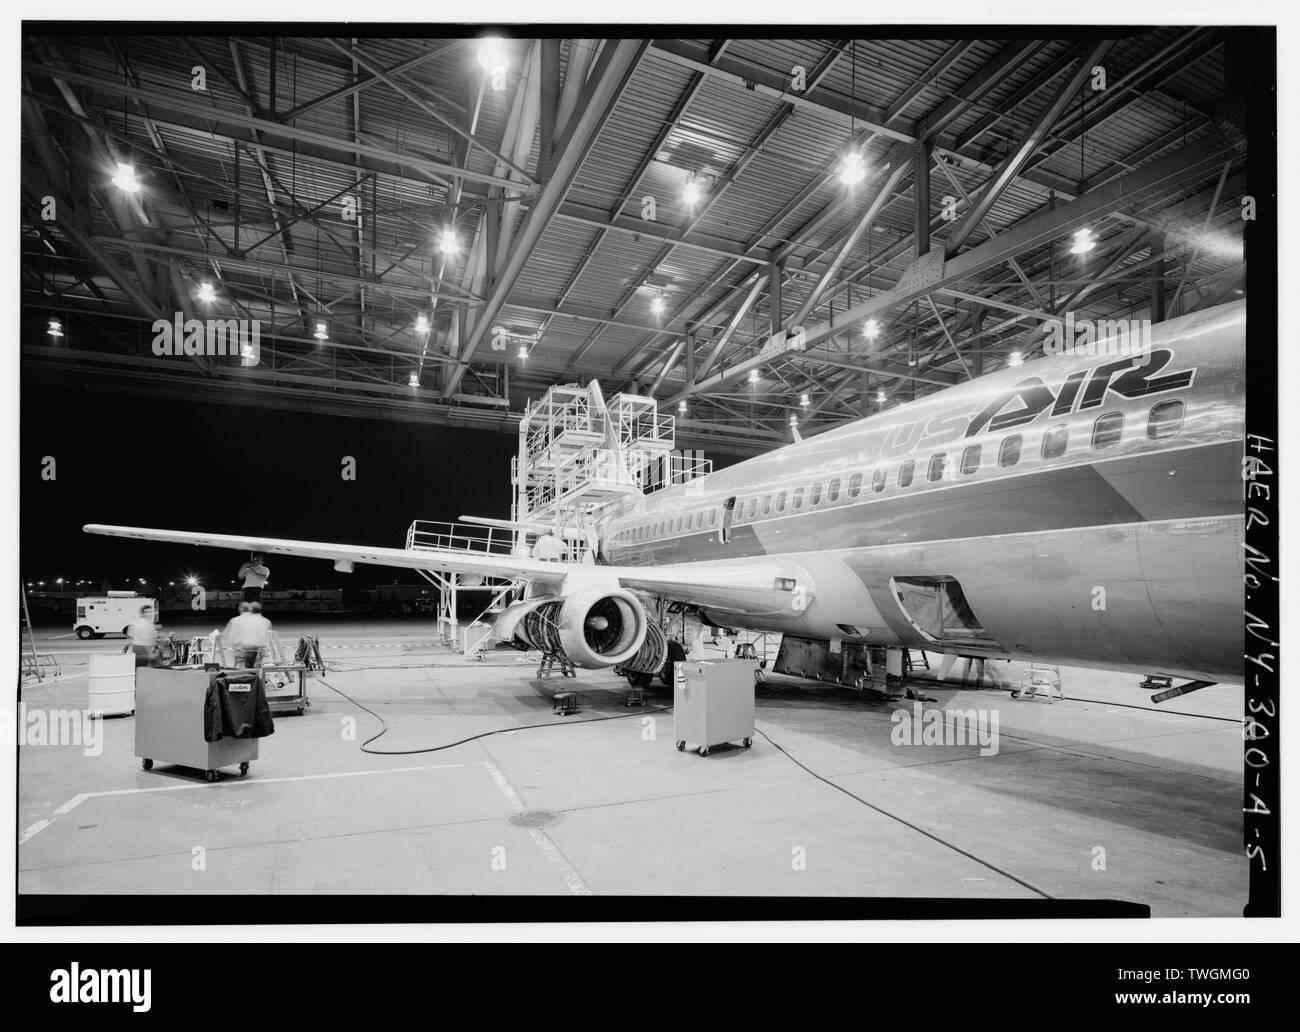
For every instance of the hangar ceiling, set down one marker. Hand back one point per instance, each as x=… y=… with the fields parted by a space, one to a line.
x=437 y=229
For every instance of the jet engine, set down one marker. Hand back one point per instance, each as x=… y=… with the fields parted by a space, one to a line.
x=595 y=628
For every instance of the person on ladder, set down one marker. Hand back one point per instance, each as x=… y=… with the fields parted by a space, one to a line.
x=255 y=574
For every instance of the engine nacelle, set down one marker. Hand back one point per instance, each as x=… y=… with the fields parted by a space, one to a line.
x=595 y=628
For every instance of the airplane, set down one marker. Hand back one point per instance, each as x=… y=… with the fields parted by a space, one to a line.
x=1080 y=509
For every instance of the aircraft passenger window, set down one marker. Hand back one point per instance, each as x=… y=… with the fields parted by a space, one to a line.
x=679 y=525
x=833 y=490
x=815 y=495
x=905 y=473
x=1166 y=420
x=938 y=463
x=1009 y=453
x=855 y=485
x=1055 y=440
x=751 y=508
x=878 y=479
x=797 y=502
x=713 y=517
x=780 y=501
x=970 y=460
x=767 y=504
x=1108 y=429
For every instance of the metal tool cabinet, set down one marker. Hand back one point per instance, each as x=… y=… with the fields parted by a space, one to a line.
x=169 y=724
x=713 y=703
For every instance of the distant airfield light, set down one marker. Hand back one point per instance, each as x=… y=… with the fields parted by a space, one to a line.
x=191 y=580
x=322 y=331
x=1083 y=242
x=852 y=169
x=124 y=179
x=206 y=292
x=871 y=329
x=1016 y=359
x=54 y=328
x=414 y=379
x=492 y=55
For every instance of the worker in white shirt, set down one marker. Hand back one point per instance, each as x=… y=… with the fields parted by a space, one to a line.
x=248 y=634
x=143 y=633
x=548 y=548
x=255 y=574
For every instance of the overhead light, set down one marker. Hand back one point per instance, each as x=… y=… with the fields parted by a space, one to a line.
x=1083 y=241
x=657 y=305
x=852 y=169
x=421 y=323
x=54 y=327
x=124 y=178
x=1016 y=358
x=523 y=352
x=691 y=191
x=681 y=407
x=448 y=244
x=794 y=420
x=871 y=329
x=206 y=293
x=492 y=56
x=414 y=379
x=803 y=401
x=322 y=331
x=881 y=398
x=753 y=376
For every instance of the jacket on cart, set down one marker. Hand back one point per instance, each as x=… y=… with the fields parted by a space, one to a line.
x=236 y=713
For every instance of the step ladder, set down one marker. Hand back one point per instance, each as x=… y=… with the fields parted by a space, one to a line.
x=34 y=664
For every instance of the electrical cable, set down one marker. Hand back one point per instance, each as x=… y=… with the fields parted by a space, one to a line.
x=471 y=738
x=906 y=823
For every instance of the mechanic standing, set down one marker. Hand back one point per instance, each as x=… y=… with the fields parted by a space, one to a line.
x=255 y=574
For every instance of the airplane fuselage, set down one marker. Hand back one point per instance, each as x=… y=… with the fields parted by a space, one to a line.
x=1081 y=509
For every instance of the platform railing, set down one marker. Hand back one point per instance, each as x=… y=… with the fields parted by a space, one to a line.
x=459 y=537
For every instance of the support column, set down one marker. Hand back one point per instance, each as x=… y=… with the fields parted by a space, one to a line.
x=922 y=151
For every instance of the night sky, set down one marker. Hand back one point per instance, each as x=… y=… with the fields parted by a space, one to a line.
x=231 y=470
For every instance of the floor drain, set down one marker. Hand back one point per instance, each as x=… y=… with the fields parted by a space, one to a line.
x=533 y=818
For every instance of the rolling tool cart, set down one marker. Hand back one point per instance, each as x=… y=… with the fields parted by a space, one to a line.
x=172 y=721
x=713 y=703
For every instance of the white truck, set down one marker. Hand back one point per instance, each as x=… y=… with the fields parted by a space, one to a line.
x=110 y=614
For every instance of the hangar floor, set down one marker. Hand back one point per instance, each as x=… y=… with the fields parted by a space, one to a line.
x=611 y=807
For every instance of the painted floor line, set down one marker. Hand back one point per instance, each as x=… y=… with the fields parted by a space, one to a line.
x=77 y=800
x=548 y=849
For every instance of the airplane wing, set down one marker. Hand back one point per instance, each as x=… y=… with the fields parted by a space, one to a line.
x=750 y=586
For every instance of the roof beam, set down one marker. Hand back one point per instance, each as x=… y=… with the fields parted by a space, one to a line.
x=605 y=85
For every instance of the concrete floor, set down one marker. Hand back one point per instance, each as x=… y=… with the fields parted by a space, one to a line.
x=1158 y=789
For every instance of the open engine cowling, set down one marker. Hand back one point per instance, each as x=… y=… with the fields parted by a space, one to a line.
x=595 y=628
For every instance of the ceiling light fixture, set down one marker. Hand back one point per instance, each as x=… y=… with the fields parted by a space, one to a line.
x=691 y=191
x=1016 y=359
x=492 y=55
x=871 y=329
x=1083 y=241
x=753 y=376
x=414 y=379
x=448 y=244
x=54 y=327
x=421 y=323
x=322 y=331
x=206 y=292
x=523 y=352
x=803 y=401
x=124 y=178
x=852 y=169
x=657 y=305
x=881 y=398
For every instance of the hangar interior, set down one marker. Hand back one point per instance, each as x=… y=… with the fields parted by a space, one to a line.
x=769 y=239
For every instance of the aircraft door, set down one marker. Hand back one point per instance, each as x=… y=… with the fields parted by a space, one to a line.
x=728 y=511
x=937 y=608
